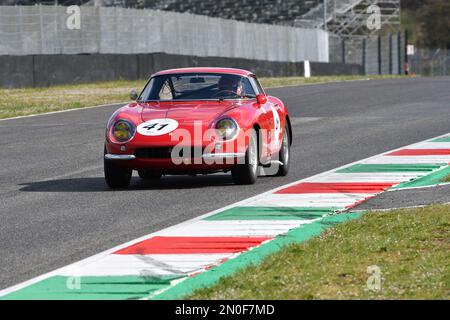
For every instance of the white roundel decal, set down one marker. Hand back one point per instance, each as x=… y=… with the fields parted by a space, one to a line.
x=277 y=125
x=157 y=127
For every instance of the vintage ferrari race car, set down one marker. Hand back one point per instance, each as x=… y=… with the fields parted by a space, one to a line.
x=198 y=121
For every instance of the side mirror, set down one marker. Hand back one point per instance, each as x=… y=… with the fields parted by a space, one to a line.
x=261 y=98
x=133 y=95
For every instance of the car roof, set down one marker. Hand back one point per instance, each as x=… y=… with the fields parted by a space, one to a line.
x=240 y=72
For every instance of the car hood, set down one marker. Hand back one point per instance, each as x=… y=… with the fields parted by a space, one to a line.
x=187 y=112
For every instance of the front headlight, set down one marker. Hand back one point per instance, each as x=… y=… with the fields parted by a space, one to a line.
x=227 y=128
x=123 y=130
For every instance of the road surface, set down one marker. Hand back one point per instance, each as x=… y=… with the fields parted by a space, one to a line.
x=55 y=208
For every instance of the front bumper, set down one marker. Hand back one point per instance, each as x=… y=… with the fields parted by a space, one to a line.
x=127 y=157
x=206 y=163
x=206 y=156
x=223 y=155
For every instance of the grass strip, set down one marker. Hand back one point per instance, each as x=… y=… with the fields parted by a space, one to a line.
x=27 y=101
x=253 y=257
x=410 y=247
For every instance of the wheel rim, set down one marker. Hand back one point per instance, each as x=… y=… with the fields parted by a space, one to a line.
x=252 y=156
x=285 y=148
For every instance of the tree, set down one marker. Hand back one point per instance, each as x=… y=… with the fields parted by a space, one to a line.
x=435 y=24
x=411 y=4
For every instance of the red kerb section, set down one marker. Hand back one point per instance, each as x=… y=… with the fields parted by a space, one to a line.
x=192 y=245
x=330 y=187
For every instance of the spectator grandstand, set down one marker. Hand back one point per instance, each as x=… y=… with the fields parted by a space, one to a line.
x=43 y=2
x=256 y=11
x=342 y=17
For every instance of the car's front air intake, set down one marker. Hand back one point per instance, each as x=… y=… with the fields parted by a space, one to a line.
x=166 y=153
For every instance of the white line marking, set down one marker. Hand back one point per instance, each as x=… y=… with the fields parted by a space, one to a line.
x=409 y=159
x=322 y=83
x=370 y=177
x=68 y=110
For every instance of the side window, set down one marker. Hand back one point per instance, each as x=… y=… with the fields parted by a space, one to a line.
x=165 y=93
x=256 y=85
x=146 y=92
x=248 y=88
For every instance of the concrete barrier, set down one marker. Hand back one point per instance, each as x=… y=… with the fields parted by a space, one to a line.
x=47 y=70
x=16 y=71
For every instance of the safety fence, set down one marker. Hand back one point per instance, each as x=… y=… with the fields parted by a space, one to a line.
x=27 y=30
x=429 y=62
x=377 y=54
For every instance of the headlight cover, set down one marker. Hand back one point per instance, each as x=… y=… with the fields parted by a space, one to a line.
x=123 y=130
x=227 y=128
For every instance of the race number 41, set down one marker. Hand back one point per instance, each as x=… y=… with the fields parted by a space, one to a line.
x=157 y=127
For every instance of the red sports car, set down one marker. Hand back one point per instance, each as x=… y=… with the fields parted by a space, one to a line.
x=198 y=121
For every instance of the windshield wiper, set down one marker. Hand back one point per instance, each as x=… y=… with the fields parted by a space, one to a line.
x=250 y=96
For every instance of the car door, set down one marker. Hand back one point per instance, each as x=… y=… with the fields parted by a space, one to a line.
x=270 y=124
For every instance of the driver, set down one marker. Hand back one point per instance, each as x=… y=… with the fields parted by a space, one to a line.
x=230 y=85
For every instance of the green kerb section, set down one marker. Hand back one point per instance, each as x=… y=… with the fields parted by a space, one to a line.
x=428 y=180
x=271 y=213
x=91 y=288
x=360 y=168
x=254 y=256
x=443 y=139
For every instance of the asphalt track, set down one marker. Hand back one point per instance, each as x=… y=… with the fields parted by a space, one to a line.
x=55 y=208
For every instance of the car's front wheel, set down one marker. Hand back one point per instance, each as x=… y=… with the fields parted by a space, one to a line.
x=116 y=176
x=247 y=172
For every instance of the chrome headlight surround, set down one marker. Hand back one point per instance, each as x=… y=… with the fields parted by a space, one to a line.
x=122 y=131
x=226 y=128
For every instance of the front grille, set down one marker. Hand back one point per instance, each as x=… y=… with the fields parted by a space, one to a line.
x=165 y=152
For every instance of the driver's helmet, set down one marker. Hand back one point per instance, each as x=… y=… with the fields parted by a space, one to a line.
x=229 y=82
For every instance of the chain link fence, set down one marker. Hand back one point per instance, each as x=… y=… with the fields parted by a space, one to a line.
x=377 y=54
x=430 y=62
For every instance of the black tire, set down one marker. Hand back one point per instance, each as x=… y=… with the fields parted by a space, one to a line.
x=115 y=176
x=247 y=172
x=149 y=175
x=284 y=154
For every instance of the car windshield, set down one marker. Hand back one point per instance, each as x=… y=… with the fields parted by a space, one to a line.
x=197 y=86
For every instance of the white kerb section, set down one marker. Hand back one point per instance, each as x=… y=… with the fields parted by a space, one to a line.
x=146 y=265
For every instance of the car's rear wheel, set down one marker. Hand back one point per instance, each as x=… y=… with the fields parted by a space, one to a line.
x=284 y=154
x=116 y=176
x=247 y=172
x=146 y=174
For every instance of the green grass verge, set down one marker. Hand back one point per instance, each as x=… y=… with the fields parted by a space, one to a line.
x=446 y=179
x=410 y=247
x=296 y=81
x=27 y=101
